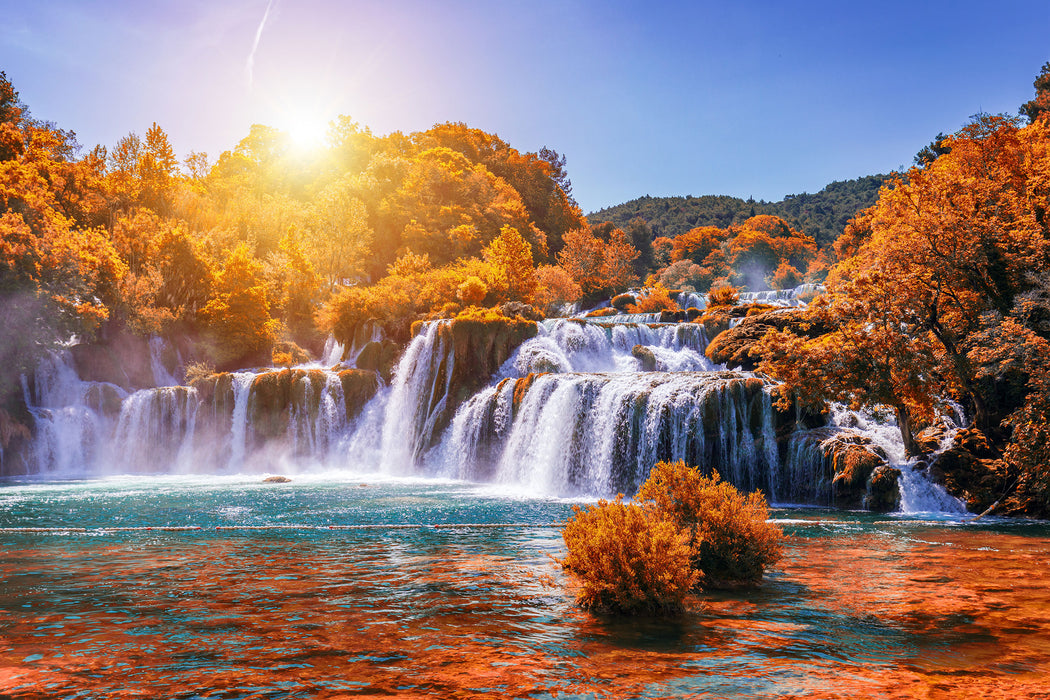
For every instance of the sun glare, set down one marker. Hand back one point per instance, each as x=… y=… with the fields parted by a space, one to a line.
x=307 y=132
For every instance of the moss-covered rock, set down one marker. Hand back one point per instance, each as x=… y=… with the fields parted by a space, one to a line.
x=359 y=386
x=853 y=459
x=732 y=347
x=883 y=493
x=645 y=356
x=970 y=470
x=379 y=357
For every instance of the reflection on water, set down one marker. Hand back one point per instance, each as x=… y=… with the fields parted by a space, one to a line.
x=858 y=608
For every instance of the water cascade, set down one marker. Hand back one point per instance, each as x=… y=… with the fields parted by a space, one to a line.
x=565 y=407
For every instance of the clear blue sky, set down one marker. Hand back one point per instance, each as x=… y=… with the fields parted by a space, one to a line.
x=744 y=98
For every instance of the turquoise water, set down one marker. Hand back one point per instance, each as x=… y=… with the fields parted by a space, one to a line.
x=305 y=591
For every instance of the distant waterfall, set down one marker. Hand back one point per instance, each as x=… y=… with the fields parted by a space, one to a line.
x=575 y=346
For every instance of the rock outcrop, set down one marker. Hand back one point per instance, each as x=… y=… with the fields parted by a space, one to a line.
x=732 y=347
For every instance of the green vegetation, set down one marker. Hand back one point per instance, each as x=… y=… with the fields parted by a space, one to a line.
x=821 y=216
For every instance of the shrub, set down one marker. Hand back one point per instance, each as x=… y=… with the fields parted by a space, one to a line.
x=628 y=559
x=656 y=298
x=723 y=296
x=602 y=312
x=732 y=543
x=472 y=291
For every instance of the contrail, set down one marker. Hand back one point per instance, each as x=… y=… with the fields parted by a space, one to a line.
x=250 y=67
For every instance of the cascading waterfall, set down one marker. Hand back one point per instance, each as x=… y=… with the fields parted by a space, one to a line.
x=69 y=415
x=585 y=407
x=156 y=427
x=601 y=433
x=318 y=417
x=240 y=428
x=773 y=297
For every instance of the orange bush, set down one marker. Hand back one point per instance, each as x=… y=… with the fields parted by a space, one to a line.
x=472 y=291
x=723 y=296
x=628 y=559
x=656 y=298
x=731 y=541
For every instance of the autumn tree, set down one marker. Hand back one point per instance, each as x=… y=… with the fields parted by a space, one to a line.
x=512 y=255
x=600 y=268
x=940 y=250
x=338 y=237
x=236 y=320
x=1038 y=107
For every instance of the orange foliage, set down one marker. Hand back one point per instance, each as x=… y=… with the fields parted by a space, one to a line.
x=472 y=291
x=732 y=542
x=554 y=288
x=723 y=296
x=601 y=268
x=696 y=244
x=655 y=298
x=628 y=559
x=237 y=318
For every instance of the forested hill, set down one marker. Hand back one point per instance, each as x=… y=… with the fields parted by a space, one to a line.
x=822 y=215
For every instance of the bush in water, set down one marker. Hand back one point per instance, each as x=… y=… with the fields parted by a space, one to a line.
x=731 y=539
x=684 y=530
x=628 y=559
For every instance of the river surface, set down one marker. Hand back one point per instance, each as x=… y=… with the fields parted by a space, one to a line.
x=310 y=589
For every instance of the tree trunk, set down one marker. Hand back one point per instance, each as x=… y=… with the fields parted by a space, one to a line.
x=911 y=449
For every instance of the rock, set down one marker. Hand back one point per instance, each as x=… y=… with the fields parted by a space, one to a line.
x=276 y=480
x=969 y=470
x=105 y=399
x=516 y=309
x=124 y=360
x=379 y=357
x=883 y=492
x=359 y=386
x=645 y=357
x=929 y=439
x=732 y=346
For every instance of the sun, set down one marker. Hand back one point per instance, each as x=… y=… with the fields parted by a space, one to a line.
x=307 y=133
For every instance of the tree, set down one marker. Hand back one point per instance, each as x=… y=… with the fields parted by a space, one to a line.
x=512 y=255
x=939 y=252
x=1040 y=106
x=338 y=236
x=554 y=289
x=237 y=318
x=157 y=169
x=601 y=269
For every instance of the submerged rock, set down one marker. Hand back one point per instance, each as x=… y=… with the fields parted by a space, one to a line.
x=276 y=480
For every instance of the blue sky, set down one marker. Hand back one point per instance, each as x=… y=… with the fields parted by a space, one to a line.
x=758 y=99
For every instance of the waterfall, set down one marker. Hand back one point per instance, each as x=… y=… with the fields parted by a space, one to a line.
x=240 y=429
x=155 y=430
x=585 y=407
x=161 y=375
x=418 y=394
x=71 y=417
x=773 y=297
x=571 y=346
x=601 y=433
x=318 y=415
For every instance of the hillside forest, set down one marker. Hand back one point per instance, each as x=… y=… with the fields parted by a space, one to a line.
x=936 y=293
